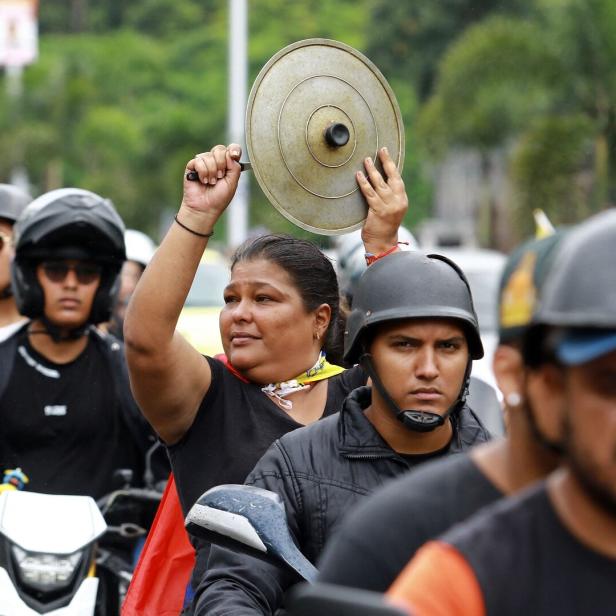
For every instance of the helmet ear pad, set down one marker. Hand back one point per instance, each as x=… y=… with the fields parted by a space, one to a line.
x=27 y=291
x=106 y=295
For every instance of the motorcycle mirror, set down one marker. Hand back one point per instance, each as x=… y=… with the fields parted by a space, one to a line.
x=123 y=477
x=248 y=520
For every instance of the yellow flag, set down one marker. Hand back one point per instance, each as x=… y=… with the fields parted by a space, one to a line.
x=543 y=226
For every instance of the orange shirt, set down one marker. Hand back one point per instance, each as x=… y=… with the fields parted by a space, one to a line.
x=438 y=582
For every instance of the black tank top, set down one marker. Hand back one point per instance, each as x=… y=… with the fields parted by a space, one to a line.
x=234 y=426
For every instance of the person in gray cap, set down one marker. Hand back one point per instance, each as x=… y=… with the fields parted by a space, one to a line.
x=413 y=328
x=551 y=550
x=13 y=200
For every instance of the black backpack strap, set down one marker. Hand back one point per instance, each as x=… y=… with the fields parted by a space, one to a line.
x=142 y=433
x=8 y=349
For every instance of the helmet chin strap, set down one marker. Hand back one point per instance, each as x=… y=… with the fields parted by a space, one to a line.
x=59 y=334
x=416 y=420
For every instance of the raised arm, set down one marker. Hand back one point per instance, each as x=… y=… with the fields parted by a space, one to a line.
x=168 y=376
x=387 y=204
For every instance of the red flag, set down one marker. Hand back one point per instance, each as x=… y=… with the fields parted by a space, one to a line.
x=163 y=572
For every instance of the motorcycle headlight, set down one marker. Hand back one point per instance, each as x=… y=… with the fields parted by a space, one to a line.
x=45 y=571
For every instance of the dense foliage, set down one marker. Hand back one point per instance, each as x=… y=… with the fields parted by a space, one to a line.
x=124 y=93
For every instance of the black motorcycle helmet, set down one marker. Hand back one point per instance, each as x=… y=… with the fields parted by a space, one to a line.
x=68 y=223
x=13 y=200
x=578 y=301
x=408 y=285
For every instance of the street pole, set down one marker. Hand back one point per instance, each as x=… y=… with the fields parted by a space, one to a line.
x=237 y=217
x=14 y=91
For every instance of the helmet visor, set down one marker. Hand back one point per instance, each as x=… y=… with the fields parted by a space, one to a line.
x=580 y=347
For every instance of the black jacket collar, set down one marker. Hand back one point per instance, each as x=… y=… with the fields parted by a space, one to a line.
x=358 y=437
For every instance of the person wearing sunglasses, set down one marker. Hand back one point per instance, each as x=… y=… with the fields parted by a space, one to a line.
x=12 y=202
x=68 y=418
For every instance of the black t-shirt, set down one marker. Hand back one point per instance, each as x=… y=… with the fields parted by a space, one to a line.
x=233 y=428
x=527 y=562
x=378 y=539
x=61 y=423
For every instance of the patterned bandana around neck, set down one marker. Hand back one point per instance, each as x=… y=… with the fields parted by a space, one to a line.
x=320 y=371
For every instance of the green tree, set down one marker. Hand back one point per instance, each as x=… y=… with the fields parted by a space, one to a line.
x=409 y=38
x=485 y=92
x=124 y=94
x=543 y=84
x=566 y=195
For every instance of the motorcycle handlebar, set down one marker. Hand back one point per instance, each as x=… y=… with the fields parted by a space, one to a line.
x=138 y=494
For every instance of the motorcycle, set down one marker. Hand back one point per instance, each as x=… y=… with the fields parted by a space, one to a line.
x=64 y=555
x=251 y=520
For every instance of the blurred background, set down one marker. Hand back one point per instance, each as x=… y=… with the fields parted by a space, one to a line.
x=508 y=105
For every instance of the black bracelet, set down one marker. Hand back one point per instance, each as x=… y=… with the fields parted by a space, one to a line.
x=191 y=231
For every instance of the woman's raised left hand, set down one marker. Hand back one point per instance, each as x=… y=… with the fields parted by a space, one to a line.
x=387 y=203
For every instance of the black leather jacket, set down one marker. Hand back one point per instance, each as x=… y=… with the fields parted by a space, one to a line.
x=320 y=472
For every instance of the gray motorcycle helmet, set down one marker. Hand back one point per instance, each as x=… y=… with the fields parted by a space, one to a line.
x=13 y=201
x=576 y=317
x=580 y=291
x=408 y=285
x=69 y=223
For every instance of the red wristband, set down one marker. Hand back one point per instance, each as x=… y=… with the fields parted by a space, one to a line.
x=370 y=258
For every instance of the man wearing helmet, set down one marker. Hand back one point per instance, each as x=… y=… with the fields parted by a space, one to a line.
x=551 y=550
x=68 y=419
x=379 y=538
x=414 y=330
x=12 y=202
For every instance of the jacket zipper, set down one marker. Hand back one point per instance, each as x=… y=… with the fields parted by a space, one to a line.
x=375 y=456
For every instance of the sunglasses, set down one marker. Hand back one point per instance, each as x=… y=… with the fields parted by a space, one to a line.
x=57 y=271
x=5 y=240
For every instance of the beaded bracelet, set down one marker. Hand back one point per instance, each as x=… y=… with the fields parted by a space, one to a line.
x=191 y=230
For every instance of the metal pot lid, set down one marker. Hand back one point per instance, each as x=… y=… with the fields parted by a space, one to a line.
x=315 y=111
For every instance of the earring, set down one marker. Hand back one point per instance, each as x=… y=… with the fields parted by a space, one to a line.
x=513 y=399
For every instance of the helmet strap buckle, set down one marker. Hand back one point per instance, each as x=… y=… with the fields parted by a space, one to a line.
x=421 y=421
x=59 y=335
